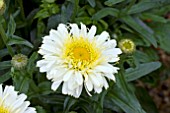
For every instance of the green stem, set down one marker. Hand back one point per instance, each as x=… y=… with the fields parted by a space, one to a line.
x=5 y=39
x=22 y=9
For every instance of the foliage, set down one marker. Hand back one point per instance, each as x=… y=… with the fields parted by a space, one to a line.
x=25 y=22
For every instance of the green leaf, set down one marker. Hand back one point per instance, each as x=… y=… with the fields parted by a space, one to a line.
x=45 y=87
x=31 y=62
x=40 y=109
x=21 y=82
x=5 y=65
x=92 y=3
x=141 y=28
x=85 y=20
x=105 y=12
x=5 y=77
x=112 y=2
x=147 y=5
x=18 y=40
x=43 y=13
x=11 y=26
x=68 y=103
x=123 y=96
x=162 y=32
x=145 y=100
x=153 y=17
x=3 y=53
x=142 y=70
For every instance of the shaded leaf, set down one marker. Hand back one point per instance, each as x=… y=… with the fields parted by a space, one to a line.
x=92 y=3
x=5 y=77
x=147 y=33
x=105 y=12
x=18 y=40
x=5 y=65
x=11 y=26
x=142 y=70
x=145 y=100
x=146 y=5
x=112 y=2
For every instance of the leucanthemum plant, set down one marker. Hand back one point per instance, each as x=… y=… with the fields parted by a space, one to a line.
x=12 y=102
x=77 y=57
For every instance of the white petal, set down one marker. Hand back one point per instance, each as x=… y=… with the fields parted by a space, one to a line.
x=79 y=78
x=102 y=37
x=74 y=30
x=114 y=52
x=57 y=37
x=72 y=84
x=94 y=80
x=110 y=76
x=1 y=91
x=83 y=31
x=78 y=91
x=30 y=110
x=104 y=69
x=62 y=30
x=89 y=85
x=65 y=88
x=55 y=85
x=91 y=32
x=110 y=44
x=68 y=75
x=98 y=89
x=105 y=83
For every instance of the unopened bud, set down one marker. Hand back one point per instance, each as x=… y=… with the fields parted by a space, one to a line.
x=19 y=61
x=2 y=6
x=127 y=46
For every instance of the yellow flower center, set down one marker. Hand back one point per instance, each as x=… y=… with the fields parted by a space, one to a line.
x=81 y=53
x=20 y=59
x=3 y=109
x=127 y=45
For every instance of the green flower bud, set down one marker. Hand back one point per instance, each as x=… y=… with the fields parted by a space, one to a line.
x=19 y=61
x=2 y=6
x=127 y=46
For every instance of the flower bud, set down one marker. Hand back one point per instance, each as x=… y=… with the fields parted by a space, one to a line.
x=2 y=6
x=19 y=61
x=127 y=46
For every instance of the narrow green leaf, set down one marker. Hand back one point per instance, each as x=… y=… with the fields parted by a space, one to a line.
x=162 y=32
x=86 y=20
x=123 y=96
x=105 y=12
x=5 y=65
x=142 y=70
x=11 y=26
x=40 y=109
x=112 y=2
x=5 y=77
x=18 y=40
x=145 y=100
x=68 y=103
x=92 y=3
x=153 y=17
x=24 y=85
x=45 y=87
x=3 y=53
x=146 y=5
x=141 y=28
x=31 y=63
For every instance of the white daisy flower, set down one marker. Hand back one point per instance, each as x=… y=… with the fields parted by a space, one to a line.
x=11 y=102
x=74 y=57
